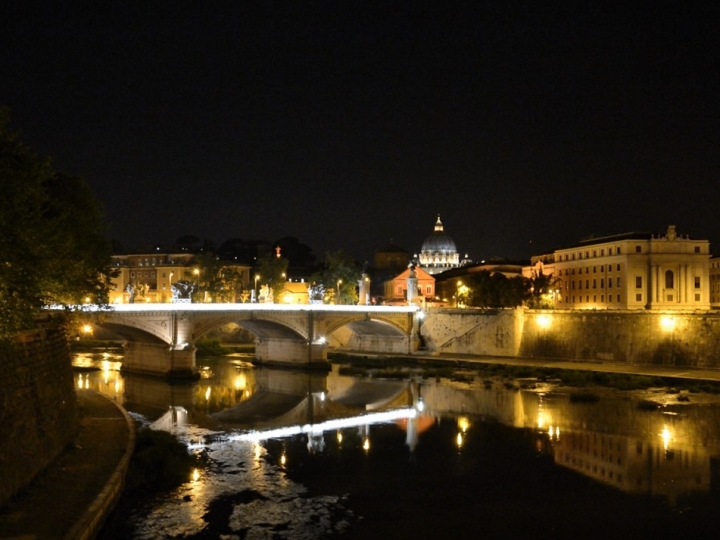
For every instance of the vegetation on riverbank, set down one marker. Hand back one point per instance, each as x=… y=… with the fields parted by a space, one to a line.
x=458 y=370
x=213 y=347
x=160 y=462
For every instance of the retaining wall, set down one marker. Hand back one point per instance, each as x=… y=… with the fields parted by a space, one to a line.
x=39 y=413
x=637 y=337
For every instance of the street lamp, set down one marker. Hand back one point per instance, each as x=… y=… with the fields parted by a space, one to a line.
x=339 y=282
x=257 y=278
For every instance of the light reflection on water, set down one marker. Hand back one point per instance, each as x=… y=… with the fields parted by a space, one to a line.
x=315 y=485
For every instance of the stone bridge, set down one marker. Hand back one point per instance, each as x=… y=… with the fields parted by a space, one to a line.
x=160 y=338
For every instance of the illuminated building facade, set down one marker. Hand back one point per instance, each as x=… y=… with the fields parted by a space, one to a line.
x=715 y=282
x=631 y=271
x=152 y=276
x=396 y=288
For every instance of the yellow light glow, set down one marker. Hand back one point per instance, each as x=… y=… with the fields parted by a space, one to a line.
x=463 y=423
x=195 y=475
x=366 y=444
x=87 y=329
x=667 y=323
x=339 y=437
x=258 y=451
x=207 y=393
x=666 y=437
x=544 y=321
x=459 y=440
x=240 y=381
x=541 y=420
x=283 y=459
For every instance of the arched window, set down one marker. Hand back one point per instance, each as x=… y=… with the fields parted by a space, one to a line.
x=669 y=279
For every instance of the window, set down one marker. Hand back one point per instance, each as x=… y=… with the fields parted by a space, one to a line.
x=594 y=269
x=618 y=297
x=669 y=280
x=602 y=252
x=670 y=297
x=602 y=283
x=594 y=283
x=399 y=289
x=697 y=282
x=580 y=284
x=697 y=249
x=638 y=282
x=638 y=249
x=618 y=284
x=587 y=283
x=573 y=272
x=697 y=297
x=594 y=253
x=638 y=297
x=428 y=290
x=609 y=283
x=602 y=268
x=594 y=297
x=573 y=285
x=587 y=298
x=587 y=269
x=618 y=267
x=587 y=254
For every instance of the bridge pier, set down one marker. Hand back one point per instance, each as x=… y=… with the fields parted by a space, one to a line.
x=297 y=353
x=177 y=362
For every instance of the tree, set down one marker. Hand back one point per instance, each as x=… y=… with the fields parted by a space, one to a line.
x=339 y=275
x=216 y=280
x=52 y=244
x=541 y=291
x=272 y=271
x=494 y=290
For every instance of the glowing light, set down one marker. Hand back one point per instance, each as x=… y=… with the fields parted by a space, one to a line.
x=283 y=459
x=322 y=396
x=666 y=437
x=240 y=381
x=667 y=323
x=195 y=475
x=366 y=444
x=329 y=425
x=544 y=321
x=87 y=329
x=207 y=393
x=339 y=437
x=463 y=423
x=420 y=405
x=459 y=440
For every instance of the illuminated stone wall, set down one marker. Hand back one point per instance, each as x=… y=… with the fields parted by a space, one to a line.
x=645 y=337
x=38 y=407
x=672 y=339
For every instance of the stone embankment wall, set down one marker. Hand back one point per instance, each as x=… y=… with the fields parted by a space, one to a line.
x=38 y=409
x=639 y=337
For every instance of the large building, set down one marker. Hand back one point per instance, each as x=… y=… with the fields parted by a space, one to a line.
x=438 y=252
x=631 y=271
x=151 y=276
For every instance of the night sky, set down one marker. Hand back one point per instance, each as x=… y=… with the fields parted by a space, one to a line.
x=525 y=125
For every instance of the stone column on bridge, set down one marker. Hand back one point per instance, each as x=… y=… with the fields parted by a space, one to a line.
x=160 y=359
x=364 y=290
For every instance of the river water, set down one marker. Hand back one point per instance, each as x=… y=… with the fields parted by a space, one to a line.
x=293 y=455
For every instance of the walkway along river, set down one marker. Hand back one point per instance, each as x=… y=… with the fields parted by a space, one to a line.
x=297 y=455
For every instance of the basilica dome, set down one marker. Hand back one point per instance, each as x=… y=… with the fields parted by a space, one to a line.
x=438 y=251
x=439 y=241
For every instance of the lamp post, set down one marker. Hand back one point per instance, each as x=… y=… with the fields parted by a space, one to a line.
x=339 y=282
x=170 y=286
x=196 y=272
x=257 y=278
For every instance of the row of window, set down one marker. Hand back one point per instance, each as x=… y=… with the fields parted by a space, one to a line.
x=638 y=298
x=571 y=271
x=669 y=282
x=610 y=251
x=594 y=283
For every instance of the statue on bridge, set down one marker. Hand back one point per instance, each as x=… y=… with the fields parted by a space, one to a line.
x=266 y=294
x=182 y=291
x=316 y=293
x=130 y=289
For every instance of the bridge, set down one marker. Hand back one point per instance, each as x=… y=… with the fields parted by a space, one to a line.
x=160 y=338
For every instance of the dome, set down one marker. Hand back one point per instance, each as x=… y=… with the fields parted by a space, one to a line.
x=439 y=241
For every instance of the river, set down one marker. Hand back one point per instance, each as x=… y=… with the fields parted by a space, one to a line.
x=297 y=456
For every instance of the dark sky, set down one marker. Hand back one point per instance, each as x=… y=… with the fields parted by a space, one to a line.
x=525 y=125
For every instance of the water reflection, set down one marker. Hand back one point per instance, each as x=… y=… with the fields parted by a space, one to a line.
x=263 y=430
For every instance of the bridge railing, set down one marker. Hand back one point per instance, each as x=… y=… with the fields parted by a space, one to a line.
x=141 y=307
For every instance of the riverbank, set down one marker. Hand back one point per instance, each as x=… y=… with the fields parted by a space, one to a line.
x=72 y=497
